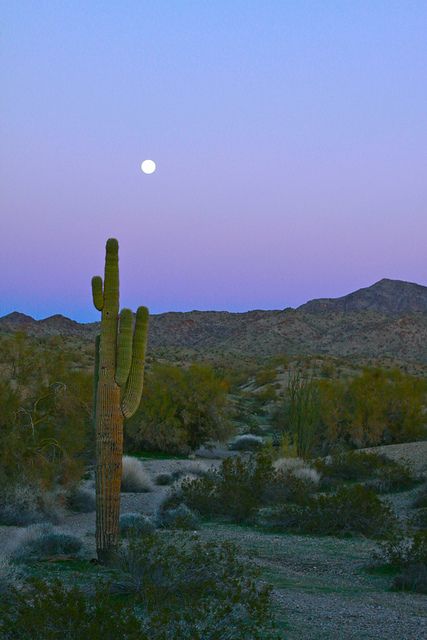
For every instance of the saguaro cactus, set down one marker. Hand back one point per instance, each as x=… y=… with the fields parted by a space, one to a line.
x=119 y=378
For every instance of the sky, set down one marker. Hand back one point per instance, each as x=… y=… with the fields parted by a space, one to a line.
x=290 y=138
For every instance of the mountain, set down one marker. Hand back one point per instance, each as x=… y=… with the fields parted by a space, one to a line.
x=388 y=319
x=391 y=297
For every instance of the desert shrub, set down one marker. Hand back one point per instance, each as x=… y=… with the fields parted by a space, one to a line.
x=299 y=469
x=194 y=590
x=246 y=442
x=402 y=548
x=134 y=477
x=192 y=468
x=412 y=578
x=11 y=576
x=421 y=498
x=180 y=517
x=41 y=541
x=24 y=503
x=44 y=427
x=164 y=479
x=377 y=407
x=81 y=499
x=181 y=410
x=419 y=519
x=351 y=510
x=238 y=488
x=234 y=490
x=136 y=523
x=408 y=553
x=165 y=586
x=379 y=472
x=53 y=611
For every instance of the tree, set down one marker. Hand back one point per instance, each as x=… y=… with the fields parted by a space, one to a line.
x=181 y=409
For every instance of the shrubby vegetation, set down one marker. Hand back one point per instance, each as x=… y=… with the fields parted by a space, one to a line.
x=350 y=510
x=376 y=407
x=377 y=471
x=135 y=479
x=165 y=587
x=181 y=409
x=42 y=541
x=239 y=487
x=407 y=552
x=136 y=524
x=281 y=496
x=45 y=422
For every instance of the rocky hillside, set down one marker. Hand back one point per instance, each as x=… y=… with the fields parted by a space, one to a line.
x=388 y=319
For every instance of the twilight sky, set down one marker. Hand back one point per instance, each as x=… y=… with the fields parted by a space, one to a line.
x=290 y=138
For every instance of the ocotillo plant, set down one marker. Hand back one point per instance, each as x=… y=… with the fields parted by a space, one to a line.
x=119 y=378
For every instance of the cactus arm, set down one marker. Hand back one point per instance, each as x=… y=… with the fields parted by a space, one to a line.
x=97 y=293
x=132 y=396
x=124 y=347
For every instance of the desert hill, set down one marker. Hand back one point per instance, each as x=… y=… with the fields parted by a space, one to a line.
x=387 y=319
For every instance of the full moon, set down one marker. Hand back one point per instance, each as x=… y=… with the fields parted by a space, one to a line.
x=148 y=166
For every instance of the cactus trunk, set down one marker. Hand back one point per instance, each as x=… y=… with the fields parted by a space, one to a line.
x=109 y=452
x=118 y=376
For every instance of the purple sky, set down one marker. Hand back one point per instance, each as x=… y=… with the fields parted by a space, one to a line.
x=290 y=139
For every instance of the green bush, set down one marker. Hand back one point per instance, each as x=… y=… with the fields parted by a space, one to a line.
x=412 y=578
x=181 y=409
x=136 y=524
x=56 y=612
x=42 y=541
x=181 y=517
x=379 y=472
x=408 y=553
x=194 y=590
x=239 y=488
x=24 y=503
x=419 y=519
x=164 y=586
x=421 y=498
x=351 y=510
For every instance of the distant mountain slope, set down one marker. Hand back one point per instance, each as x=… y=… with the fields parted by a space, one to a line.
x=392 y=297
x=387 y=319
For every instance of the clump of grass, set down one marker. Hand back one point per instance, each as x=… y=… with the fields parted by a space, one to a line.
x=180 y=517
x=299 y=469
x=136 y=523
x=81 y=499
x=37 y=542
x=22 y=504
x=134 y=477
x=192 y=468
x=247 y=442
x=164 y=479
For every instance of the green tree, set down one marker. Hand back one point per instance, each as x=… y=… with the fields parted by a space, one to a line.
x=181 y=409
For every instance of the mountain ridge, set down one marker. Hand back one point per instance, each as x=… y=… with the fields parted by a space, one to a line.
x=387 y=319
